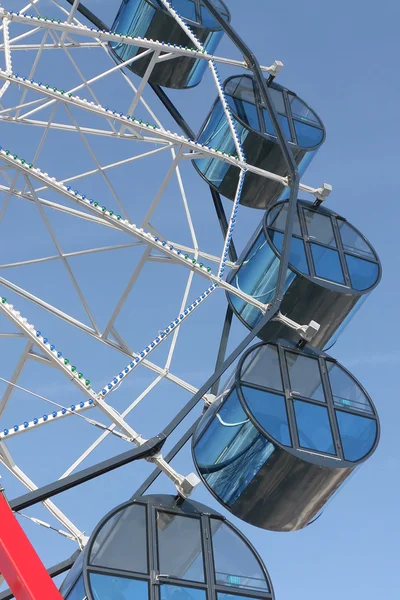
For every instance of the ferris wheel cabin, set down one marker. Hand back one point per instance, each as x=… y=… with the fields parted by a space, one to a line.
x=161 y=548
x=302 y=127
x=332 y=269
x=288 y=429
x=151 y=20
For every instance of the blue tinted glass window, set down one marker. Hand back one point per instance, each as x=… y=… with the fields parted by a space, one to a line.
x=269 y=128
x=235 y=564
x=185 y=8
x=270 y=412
x=304 y=376
x=285 y=127
x=179 y=546
x=319 y=227
x=300 y=110
x=277 y=219
x=216 y=133
x=327 y=263
x=345 y=391
x=78 y=591
x=110 y=587
x=297 y=256
x=253 y=369
x=257 y=277
x=353 y=241
x=363 y=273
x=175 y=592
x=113 y=546
x=224 y=596
x=307 y=135
x=247 y=112
x=358 y=434
x=231 y=451
x=313 y=427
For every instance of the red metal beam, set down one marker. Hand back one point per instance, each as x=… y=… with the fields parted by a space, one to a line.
x=19 y=564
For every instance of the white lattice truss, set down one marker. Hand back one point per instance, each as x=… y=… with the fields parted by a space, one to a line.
x=63 y=32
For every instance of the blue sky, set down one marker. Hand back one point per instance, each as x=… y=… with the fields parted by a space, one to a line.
x=342 y=58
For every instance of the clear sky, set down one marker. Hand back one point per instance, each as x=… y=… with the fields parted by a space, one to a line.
x=342 y=58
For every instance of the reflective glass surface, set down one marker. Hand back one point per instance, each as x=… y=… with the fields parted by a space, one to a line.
x=327 y=263
x=142 y=18
x=78 y=591
x=179 y=546
x=277 y=219
x=230 y=451
x=344 y=390
x=305 y=376
x=297 y=257
x=235 y=563
x=363 y=273
x=217 y=134
x=357 y=433
x=175 y=592
x=300 y=110
x=257 y=276
x=254 y=371
x=313 y=427
x=110 y=587
x=353 y=242
x=72 y=575
x=358 y=267
x=319 y=227
x=269 y=410
x=307 y=135
x=113 y=546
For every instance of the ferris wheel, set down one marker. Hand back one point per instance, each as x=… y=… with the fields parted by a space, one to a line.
x=120 y=277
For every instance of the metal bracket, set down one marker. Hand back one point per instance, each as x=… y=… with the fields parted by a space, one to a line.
x=307 y=332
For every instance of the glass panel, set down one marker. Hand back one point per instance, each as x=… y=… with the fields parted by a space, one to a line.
x=297 y=258
x=313 y=427
x=241 y=88
x=270 y=412
x=110 y=587
x=363 y=273
x=235 y=563
x=261 y=367
x=269 y=128
x=185 y=8
x=216 y=133
x=319 y=227
x=307 y=135
x=78 y=591
x=305 y=377
x=224 y=596
x=277 y=99
x=358 y=434
x=300 y=110
x=179 y=546
x=327 y=263
x=285 y=127
x=278 y=221
x=345 y=391
x=353 y=241
x=257 y=276
x=174 y=592
x=246 y=111
x=231 y=451
x=122 y=542
x=73 y=573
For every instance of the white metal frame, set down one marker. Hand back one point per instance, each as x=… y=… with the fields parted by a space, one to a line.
x=59 y=35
